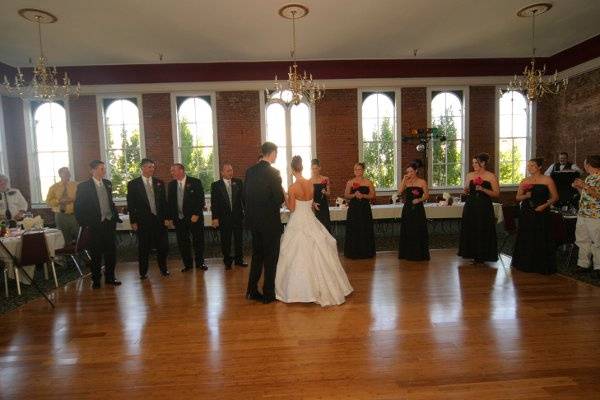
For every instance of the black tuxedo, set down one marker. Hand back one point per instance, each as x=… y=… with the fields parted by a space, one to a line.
x=102 y=233
x=193 y=204
x=230 y=215
x=263 y=197
x=151 y=231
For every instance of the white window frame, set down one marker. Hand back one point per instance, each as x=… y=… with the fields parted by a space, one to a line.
x=288 y=130
x=37 y=197
x=397 y=127
x=530 y=138
x=177 y=138
x=102 y=127
x=3 y=156
x=465 y=142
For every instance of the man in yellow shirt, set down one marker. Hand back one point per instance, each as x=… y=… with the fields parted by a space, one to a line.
x=61 y=197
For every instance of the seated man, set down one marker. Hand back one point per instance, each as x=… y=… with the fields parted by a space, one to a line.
x=564 y=173
x=12 y=203
x=563 y=164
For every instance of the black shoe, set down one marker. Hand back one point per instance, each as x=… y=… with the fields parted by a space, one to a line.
x=255 y=296
x=227 y=264
x=96 y=285
x=165 y=272
x=241 y=263
x=113 y=282
x=581 y=270
x=142 y=277
x=186 y=269
x=202 y=266
x=268 y=299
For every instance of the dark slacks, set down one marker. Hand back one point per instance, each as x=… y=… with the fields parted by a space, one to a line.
x=229 y=228
x=152 y=234
x=190 y=235
x=265 y=254
x=102 y=245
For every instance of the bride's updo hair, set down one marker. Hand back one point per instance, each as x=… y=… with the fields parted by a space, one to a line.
x=296 y=164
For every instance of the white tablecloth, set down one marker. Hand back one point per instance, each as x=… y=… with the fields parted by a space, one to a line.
x=383 y=211
x=54 y=238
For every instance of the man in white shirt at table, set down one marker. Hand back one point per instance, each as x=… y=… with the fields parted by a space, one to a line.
x=12 y=203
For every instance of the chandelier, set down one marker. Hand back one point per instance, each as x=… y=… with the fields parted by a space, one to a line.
x=45 y=84
x=533 y=81
x=300 y=85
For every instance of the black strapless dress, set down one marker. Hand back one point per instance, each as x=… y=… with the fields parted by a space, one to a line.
x=478 y=238
x=360 y=236
x=414 y=239
x=321 y=199
x=534 y=248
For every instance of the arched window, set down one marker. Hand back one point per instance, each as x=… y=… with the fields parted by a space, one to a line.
x=50 y=146
x=196 y=138
x=514 y=137
x=289 y=127
x=123 y=142
x=379 y=140
x=447 y=157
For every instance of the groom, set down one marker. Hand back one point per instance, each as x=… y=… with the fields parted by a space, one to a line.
x=264 y=196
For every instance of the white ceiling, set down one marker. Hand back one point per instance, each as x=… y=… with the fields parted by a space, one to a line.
x=134 y=32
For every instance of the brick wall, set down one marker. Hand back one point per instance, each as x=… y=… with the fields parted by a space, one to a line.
x=238 y=129
x=571 y=121
x=336 y=118
x=85 y=137
x=482 y=123
x=158 y=137
x=413 y=111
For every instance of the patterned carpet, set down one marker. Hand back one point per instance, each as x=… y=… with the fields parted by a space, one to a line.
x=443 y=235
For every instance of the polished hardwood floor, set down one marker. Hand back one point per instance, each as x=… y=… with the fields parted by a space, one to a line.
x=439 y=330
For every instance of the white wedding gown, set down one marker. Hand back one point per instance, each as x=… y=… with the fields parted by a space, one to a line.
x=309 y=268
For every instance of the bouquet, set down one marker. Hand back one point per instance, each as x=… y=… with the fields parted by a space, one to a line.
x=33 y=223
x=355 y=185
x=527 y=187
x=416 y=193
x=478 y=181
x=325 y=182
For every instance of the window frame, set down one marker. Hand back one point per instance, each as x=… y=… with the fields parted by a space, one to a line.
x=175 y=130
x=35 y=187
x=4 y=167
x=288 y=134
x=101 y=112
x=465 y=140
x=397 y=127
x=530 y=130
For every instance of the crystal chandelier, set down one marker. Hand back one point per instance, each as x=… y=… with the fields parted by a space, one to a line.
x=300 y=85
x=45 y=84
x=533 y=81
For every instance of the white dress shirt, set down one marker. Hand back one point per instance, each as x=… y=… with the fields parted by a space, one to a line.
x=561 y=168
x=15 y=201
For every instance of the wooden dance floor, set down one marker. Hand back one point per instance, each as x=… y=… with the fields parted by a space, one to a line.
x=438 y=330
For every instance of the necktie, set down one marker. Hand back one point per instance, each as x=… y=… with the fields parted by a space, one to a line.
x=228 y=187
x=180 y=199
x=64 y=196
x=8 y=213
x=150 y=195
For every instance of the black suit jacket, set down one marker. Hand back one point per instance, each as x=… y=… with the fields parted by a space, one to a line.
x=193 y=199
x=219 y=200
x=87 y=205
x=139 y=205
x=263 y=197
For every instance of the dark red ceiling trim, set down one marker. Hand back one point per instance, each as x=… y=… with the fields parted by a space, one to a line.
x=332 y=69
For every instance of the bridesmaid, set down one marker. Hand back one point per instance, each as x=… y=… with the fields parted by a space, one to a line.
x=360 y=236
x=322 y=193
x=478 y=239
x=414 y=239
x=534 y=249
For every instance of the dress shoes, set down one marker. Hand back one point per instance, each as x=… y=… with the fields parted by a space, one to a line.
x=165 y=272
x=241 y=263
x=113 y=282
x=186 y=269
x=202 y=266
x=255 y=296
x=143 y=277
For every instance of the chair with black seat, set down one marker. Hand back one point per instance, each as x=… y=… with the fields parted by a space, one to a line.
x=509 y=224
x=34 y=251
x=79 y=248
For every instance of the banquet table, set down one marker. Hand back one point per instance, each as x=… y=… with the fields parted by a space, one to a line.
x=54 y=239
x=381 y=211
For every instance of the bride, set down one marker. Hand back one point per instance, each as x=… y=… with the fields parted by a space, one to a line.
x=309 y=268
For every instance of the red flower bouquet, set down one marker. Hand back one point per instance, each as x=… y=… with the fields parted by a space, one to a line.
x=527 y=187
x=325 y=182
x=416 y=193
x=355 y=185
x=478 y=181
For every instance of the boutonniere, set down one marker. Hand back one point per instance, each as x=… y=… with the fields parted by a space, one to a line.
x=233 y=183
x=158 y=183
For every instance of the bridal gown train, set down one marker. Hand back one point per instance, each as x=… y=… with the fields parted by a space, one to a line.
x=309 y=268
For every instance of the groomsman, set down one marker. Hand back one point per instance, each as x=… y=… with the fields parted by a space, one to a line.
x=186 y=205
x=96 y=211
x=227 y=214
x=148 y=215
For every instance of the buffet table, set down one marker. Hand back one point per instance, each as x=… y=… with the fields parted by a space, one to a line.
x=382 y=211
